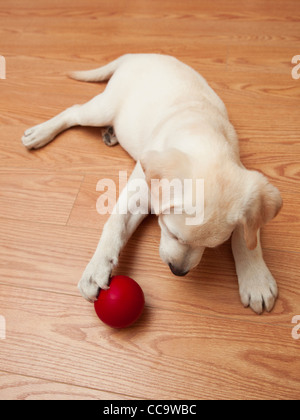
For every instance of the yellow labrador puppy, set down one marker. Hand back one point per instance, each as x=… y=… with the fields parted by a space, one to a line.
x=165 y=115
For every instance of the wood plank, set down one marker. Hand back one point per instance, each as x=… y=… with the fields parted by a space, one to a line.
x=19 y=387
x=263 y=58
x=42 y=197
x=281 y=168
x=59 y=338
x=171 y=9
x=125 y=29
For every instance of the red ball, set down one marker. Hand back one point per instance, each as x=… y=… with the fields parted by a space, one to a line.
x=122 y=304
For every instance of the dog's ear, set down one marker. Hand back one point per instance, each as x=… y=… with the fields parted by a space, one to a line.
x=171 y=166
x=261 y=204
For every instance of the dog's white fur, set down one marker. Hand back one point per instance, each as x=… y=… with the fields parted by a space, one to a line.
x=175 y=126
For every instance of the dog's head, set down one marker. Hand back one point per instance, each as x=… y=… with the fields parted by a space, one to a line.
x=230 y=196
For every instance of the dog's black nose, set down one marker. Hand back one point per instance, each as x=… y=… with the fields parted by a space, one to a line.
x=177 y=271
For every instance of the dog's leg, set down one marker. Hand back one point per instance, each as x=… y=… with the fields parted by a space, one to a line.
x=115 y=235
x=257 y=286
x=98 y=112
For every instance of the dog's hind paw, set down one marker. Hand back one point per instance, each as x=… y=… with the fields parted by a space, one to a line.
x=38 y=136
x=109 y=136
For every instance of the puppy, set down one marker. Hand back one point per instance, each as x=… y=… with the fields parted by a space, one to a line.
x=165 y=115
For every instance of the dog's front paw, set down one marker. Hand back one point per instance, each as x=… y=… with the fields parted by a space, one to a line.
x=258 y=289
x=96 y=276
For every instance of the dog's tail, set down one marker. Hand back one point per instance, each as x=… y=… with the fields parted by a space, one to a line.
x=98 y=75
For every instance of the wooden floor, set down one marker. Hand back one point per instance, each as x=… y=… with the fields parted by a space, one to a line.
x=195 y=340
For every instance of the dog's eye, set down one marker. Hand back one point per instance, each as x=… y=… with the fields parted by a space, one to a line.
x=181 y=241
x=173 y=236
